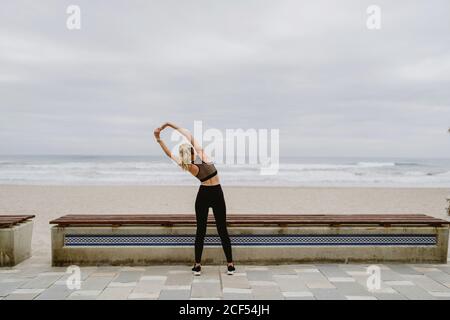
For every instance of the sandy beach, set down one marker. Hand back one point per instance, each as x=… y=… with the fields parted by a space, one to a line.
x=49 y=202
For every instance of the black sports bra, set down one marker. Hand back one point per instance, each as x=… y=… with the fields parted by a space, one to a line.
x=205 y=170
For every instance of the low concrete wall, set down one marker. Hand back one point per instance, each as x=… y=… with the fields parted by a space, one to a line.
x=142 y=254
x=15 y=244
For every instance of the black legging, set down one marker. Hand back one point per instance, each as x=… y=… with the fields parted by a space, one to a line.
x=211 y=196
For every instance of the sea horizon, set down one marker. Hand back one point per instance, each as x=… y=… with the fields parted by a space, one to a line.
x=293 y=171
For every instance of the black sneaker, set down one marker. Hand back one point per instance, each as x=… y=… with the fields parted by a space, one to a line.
x=196 y=270
x=231 y=269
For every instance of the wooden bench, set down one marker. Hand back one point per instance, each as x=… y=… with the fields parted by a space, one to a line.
x=256 y=238
x=15 y=238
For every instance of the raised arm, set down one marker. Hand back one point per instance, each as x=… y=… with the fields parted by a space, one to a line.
x=163 y=146
x=190 y=138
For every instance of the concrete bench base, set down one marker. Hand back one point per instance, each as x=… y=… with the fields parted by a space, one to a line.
x=145 y=245
x=15 y=243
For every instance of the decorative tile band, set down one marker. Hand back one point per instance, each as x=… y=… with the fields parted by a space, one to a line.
x=253 y=240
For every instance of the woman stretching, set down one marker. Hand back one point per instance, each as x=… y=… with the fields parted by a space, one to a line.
x=193 y=159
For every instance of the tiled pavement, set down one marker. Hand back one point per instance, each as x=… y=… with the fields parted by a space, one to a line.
x=35 y=279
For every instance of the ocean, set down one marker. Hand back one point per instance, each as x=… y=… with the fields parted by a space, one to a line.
x=157 y=170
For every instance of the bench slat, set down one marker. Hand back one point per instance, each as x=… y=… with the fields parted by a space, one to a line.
x=170 y=219
x=7 y=221
x=253 y=216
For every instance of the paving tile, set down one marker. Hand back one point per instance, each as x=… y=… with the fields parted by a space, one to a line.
x=390 y=275
x=177 y=287
x=427 y=283
x=156 y=271
x=128 y=276
x=7 y=288
x=332 y=271
x=237 y=296
x=41 y=281
x=27 y=291
x=14 y=280
x=341 y=279
x=257 y=268
x=384 y=289
x=353 y=267
x=301 y=265
x=352 y=289
x=267 y=293
x=424 y=269
x=444 y=268
x=236 y=290
x=205 y=280
x=400 y=283
x=52 y=273
x=55 y=292
x=87 y=271
x=149 y=286
x=95 y=283
x=179 y=279
x=440 y=294
x=307 y=270
x=84 y=294
x=259 y=275
x=235 y=282
x=291 y=283
x=103 y=275
x=299 y=298
x=316 y=281
x=327 y=294
x=361 y=298
x=403 y=269
x=8 y=271
x=122 y=284
x=213 y=271
x=109 y=269
x=206 y=289
x=154 y=278
x=143 y=296
x=32 y=272
x=135 y=269
x=175 y=294
x=262 y=283
x=298 y=294
x=115 y=293
x=358 y=273
x=414 y=292
x=283 y=270
x=389 y=296
x=183 y=271
x=236 y=274
x=439 y=276
x=23 y=296
x=293 y=277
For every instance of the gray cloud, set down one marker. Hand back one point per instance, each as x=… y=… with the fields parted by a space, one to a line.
x=311 y=69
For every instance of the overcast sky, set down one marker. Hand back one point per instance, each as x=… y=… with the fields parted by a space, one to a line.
x=311 y=69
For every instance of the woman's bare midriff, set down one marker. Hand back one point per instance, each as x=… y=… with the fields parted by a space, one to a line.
x=214 y=181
